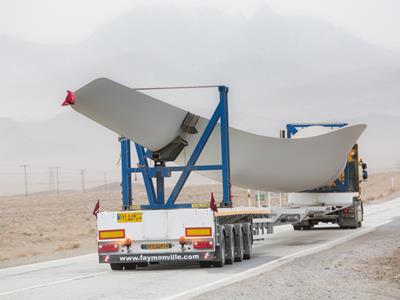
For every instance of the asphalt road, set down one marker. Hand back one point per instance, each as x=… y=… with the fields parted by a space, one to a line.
x=83 y=278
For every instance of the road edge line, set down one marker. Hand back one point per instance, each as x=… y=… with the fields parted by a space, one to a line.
x=269 y=265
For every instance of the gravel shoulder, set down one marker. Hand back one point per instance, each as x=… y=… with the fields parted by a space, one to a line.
x=364 y=268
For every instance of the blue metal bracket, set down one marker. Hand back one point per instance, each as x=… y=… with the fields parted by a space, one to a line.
x=293 y=128
x=156 y=196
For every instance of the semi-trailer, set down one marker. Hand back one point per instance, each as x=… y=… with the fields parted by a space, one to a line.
x=210 y=233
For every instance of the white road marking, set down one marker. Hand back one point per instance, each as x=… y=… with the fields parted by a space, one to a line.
x=210 y=286
x=47 y=262
x=51 y=283
x=269 y=265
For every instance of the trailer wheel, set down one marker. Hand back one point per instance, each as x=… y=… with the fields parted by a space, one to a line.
x=130 y=266
x=116 y=267
x=239 y=243
x=221 y=251
x=296 y=227
x=248 y=241
x=205 y=264
x=229 y=244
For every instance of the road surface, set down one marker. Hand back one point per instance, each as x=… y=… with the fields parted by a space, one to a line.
x=83 y=278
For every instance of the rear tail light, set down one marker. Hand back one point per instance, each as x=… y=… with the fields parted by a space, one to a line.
x=128 y=242
x=346 y=211
x=203 y=245
x=108 y=247
x=182 y=240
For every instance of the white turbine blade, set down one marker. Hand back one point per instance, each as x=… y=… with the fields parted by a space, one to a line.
x=257 y=162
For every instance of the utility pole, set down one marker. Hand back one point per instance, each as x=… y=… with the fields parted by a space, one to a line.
x=83 y=180
x=57 y=180
x=105 y=181
x=51 y=179
x=26 y=179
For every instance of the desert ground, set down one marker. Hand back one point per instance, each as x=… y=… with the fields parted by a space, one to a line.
x=46 y=226
x=357 y=269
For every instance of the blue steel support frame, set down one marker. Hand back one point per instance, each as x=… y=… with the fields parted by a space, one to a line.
x=156 y=196
x=340 y=186
x=126 y=183
x=294 y=127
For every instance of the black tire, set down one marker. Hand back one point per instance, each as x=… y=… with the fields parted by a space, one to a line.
x=239 y=243
x=205 y=264
x=142 y=265
x=248 y=241
x=359 y=224
x=229 y=245
x=296 y=227
x=130 y=266
x=221 y=251
x=116 y=267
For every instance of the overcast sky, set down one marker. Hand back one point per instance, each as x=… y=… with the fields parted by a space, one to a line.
x=71 y=21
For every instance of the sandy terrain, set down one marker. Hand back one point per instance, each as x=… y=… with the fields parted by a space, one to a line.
x=357 y=269
x=46 y=226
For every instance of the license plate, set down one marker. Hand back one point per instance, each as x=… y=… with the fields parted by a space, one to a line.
x=156 y=246
x=133 y=217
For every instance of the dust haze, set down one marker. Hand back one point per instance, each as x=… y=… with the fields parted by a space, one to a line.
x=279 y=69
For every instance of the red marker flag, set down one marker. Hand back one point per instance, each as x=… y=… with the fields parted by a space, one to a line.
x=96 y=209
x=70 y=99
x=213 y=205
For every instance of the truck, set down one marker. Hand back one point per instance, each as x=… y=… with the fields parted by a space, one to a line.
x=210 y=234
x=338 y=203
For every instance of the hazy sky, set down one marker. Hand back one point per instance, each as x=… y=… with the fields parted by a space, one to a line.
x=69 y=21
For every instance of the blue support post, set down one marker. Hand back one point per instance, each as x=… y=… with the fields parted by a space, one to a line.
x=225 y=155
x=195 y=156
x=160 y=189
x=148 y=183
x=126 y=174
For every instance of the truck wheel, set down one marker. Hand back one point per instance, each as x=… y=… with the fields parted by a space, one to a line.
x=296 y=227
x=248 y=241
x=221 y=252
x=205 y=264
x=229 y=244
x=239 y=251
x=359 y=224
x=116 y=267
x=142 y=264
x=130 y=266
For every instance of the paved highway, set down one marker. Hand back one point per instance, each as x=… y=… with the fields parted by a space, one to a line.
x=83 y=278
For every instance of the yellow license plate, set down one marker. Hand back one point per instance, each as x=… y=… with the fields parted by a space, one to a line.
x=133 y=217
x=156 y=246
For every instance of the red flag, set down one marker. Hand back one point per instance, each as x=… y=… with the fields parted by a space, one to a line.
x=70 y=99
x=96 y=209
x=213 y=205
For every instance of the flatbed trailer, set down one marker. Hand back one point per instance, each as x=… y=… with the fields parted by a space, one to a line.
x=130 y=239
x=210 y=234
x=163 y=231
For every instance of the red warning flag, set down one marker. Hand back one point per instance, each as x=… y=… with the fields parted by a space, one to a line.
x=70 y=99
x=213 y=205
x=96 y=209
